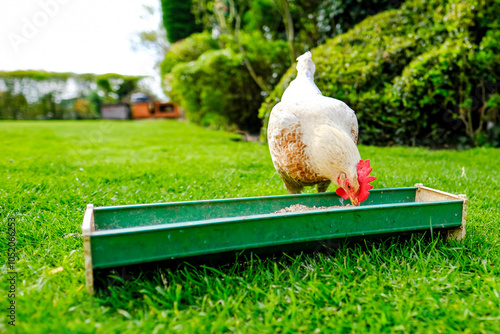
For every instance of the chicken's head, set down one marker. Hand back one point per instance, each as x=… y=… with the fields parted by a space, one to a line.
x=356 y=188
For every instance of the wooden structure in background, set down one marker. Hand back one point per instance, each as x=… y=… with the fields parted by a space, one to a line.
x=140 y=110
x=117 y=111
x=154 y=110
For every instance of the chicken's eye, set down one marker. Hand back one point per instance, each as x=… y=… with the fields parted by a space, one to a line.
x=349 y=186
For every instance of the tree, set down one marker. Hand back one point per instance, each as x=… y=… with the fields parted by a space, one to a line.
x=178 y=20
x=12 y=106
x=153 y=41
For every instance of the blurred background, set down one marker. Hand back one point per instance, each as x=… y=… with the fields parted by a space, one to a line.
x=417 y=72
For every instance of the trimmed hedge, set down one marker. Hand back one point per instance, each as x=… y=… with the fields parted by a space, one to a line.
x=187 y=50
x=424 y=74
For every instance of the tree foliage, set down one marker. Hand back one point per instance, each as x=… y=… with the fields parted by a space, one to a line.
x=178 y=20
x=312 y=21
x=39 y=94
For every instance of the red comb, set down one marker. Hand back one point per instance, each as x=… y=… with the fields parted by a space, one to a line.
x=364 y=180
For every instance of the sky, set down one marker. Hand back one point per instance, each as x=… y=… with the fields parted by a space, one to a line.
x=81 y=36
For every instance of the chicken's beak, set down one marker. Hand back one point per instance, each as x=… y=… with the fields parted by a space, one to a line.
x=354 y=201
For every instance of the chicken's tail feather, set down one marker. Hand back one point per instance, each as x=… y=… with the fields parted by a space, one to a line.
x=305 y=64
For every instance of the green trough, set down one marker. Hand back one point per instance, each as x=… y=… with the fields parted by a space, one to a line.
x=132 y=234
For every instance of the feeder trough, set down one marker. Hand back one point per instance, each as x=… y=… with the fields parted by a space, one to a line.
x=125 y=235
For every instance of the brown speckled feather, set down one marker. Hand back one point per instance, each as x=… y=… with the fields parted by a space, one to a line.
x=290 y=157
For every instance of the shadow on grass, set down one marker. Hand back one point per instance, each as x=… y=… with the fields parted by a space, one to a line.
x=345 y=260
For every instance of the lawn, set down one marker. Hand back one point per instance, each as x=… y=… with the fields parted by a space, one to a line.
x=51 y=170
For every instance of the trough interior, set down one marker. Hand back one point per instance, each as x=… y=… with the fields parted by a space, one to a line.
x=118 y=217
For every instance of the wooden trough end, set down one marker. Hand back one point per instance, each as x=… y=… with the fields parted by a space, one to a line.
x=426 y=194
x=88 y=227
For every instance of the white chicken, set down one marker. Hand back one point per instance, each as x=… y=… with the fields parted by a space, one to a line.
x=312 y=139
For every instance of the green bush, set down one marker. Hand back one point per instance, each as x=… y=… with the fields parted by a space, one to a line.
x=214 y=86
x=423 y=74
x=187 y=50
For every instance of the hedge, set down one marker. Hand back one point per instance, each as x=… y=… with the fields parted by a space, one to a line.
x=425 y=74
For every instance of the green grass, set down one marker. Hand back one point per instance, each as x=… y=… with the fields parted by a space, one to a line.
x=51 y=170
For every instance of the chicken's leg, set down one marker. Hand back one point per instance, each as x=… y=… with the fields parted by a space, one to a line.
x=291 y=185
x=322 y=186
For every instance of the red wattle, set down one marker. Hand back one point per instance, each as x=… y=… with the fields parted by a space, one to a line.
x=341 y=192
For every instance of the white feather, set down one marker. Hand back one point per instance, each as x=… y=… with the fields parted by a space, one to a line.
x=329 y=128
